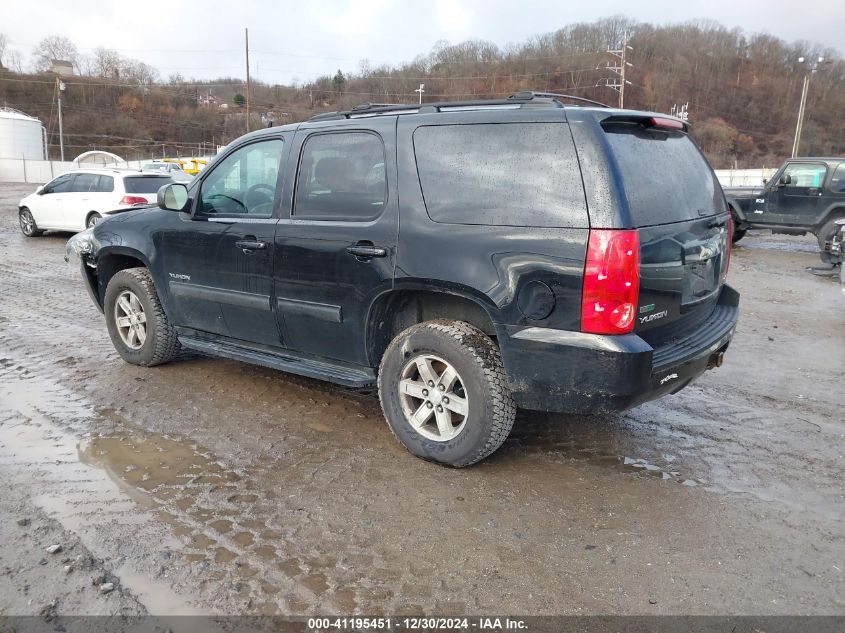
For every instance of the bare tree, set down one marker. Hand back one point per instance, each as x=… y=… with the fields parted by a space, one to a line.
x=106 y=63
x=54 y=47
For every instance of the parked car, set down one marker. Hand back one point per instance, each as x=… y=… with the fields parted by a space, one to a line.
x=174 y=170
x=467 y=258
x=79 y=199
x=806 y=195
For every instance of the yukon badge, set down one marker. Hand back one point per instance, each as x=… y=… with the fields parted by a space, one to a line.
x=653 y=317
x=180 y=276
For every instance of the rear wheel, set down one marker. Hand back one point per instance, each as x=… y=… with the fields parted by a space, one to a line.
x=92 y=219
x=444 y=392
x=27 y=223
x=137 y=324
x=825 y=236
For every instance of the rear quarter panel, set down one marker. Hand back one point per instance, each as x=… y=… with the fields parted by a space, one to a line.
x=489 y=264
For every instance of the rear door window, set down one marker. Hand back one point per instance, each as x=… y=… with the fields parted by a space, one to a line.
x=85 y=182
x=144 y=184
x=665 y=176
x=506 y=174
x=341 y=177
x=105 y=184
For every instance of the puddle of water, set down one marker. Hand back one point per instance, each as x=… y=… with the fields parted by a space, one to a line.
x=591 y=440
x=81 y=497
x=158 y=597
x=178 y=496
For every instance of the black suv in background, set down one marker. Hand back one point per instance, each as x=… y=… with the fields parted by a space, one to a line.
x=806 y=195
x=468 y=258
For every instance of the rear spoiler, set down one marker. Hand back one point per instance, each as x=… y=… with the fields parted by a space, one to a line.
x=653 y=121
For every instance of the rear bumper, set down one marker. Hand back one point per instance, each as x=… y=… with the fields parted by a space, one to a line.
x=555 y=370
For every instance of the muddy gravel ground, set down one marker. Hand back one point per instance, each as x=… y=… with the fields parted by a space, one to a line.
x=208 y=486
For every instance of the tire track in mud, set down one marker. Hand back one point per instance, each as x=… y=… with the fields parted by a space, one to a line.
x=129 y=481
x=40 y=348
x=219 y=521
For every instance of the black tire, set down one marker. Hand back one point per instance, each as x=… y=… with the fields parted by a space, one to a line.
x=92 y=219
x=161 y=344
x=736 y=232
x=824 y=236
x=477 y=360
x=27 y=223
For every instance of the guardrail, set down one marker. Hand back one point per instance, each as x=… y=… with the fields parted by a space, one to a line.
x=744 y=177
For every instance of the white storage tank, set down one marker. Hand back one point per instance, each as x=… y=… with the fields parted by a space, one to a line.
x=21 y=136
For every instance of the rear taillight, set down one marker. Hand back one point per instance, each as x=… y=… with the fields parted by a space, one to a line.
x=133 y=200
x=611 y=282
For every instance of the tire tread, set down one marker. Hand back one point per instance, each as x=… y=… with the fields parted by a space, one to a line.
x=481 y=349
x=166 y=342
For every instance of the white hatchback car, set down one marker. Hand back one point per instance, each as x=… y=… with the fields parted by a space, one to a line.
x=79 y=199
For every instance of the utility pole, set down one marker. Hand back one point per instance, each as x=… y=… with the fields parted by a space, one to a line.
x=60 y=88
x=680 y=111
x=619 y=84
x=420 y=90
x=246 y=36
x=812 y=67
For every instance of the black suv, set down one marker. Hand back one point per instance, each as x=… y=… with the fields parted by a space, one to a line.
x=468 y=258
x=806 y=195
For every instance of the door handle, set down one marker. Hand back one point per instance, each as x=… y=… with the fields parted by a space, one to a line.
x=366 y=251
x=248 y=246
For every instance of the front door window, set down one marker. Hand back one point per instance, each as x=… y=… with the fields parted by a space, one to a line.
x=244 y=184
x=804 y=176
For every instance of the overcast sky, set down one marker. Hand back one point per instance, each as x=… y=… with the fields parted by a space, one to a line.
x=204 y=38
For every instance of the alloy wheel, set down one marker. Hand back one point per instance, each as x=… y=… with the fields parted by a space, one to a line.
x=27 y=222
x=130 y=319
x=433 y=398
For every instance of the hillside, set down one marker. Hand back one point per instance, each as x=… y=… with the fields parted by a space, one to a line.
x=743 y=90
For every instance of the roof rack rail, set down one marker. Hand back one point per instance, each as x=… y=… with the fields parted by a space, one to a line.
x=527 y=95
x=370 y=106
x=525 y=98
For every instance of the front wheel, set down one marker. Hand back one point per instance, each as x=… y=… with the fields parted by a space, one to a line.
x=444 y=392
x=137 y=324
x=27 y=223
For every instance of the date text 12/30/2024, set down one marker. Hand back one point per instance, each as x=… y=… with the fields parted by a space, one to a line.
x=417 y=624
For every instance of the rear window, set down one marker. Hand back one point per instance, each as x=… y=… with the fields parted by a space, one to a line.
x=506 y=174
x=666 y=177
x=145 y=184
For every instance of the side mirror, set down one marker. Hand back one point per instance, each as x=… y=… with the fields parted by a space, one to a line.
x=765 y=181
x=786 y=179
x=173 y=197
x=40 y=190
